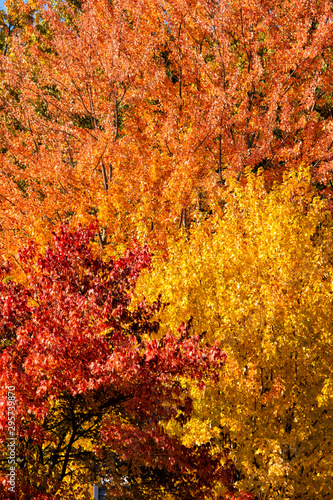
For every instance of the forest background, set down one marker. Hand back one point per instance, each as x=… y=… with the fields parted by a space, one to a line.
x=166 y=234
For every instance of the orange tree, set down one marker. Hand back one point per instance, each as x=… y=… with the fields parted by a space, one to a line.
x=138 y=111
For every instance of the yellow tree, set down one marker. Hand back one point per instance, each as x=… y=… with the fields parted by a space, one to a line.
x=259 y=278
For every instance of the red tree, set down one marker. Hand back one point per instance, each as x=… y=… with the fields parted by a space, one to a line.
x=90 y=388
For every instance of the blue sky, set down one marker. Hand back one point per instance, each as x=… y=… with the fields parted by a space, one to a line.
x=2 y=4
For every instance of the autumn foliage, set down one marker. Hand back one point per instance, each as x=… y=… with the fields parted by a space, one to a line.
x=179 y=151
x=139 y=111
x=259 y=280
x=91 y=386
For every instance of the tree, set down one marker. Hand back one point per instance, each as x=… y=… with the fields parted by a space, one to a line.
x=138 y=111
x=18 y=15
x=92 y=389
x=258 y=279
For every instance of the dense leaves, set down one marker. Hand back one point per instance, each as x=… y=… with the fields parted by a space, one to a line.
x=91 y=387
x=259 y=280
x=138 y=111
x=151 y=117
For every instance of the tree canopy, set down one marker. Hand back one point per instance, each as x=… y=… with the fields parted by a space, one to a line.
x=91 y=387
x=139 y=111
x=259 y=280
x=166 y=192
